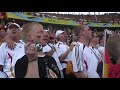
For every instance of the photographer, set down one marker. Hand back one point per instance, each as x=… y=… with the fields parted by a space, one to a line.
x=34 y=64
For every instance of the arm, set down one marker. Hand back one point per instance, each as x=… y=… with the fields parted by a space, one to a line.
x=80 y=74
x=50 y=53
x=64 y=55
x=2 y=57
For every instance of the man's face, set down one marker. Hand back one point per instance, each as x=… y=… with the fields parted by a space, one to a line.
x=46 y=36
x=37 y=35
x=63 y=37
x=95 y=38
x=14 y=31
x=87 y=32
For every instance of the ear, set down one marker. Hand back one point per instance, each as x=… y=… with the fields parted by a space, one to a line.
x=29 y=37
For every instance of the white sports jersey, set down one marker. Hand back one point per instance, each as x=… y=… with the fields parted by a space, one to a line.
x=55 y=56
x=62 y=48
x=96 y=53
x=77 y=57
x=92 y=62
x=101 y=49
x=9 y=57
x=83 y=59
x=46 y=48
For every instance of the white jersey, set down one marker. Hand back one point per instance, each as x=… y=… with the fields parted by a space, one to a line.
x=77 y=57
x=46 y=48
x=101 y=49
x=96 y=53
x=62 y=48
x=9 y=57
x=83 y=59
x=92 y=62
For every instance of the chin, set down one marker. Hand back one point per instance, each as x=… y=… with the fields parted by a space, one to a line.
x=44 y=44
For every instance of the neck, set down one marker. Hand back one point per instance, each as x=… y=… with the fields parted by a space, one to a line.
x=84 y=41
x=62 y=41
x=15 y=39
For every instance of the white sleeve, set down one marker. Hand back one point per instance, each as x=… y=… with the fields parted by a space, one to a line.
x=46 y=49
x=59 y=51
x=55 y=56
x=2 y=55
x=73 y=58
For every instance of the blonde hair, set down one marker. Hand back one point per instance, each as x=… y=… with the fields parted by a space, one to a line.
x=113 y=46
x=27 y=28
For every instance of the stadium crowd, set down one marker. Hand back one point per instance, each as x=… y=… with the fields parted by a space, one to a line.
x=33 y=51
x=113 y=18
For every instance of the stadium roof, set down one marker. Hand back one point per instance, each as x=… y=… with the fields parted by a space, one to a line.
x=84 y=13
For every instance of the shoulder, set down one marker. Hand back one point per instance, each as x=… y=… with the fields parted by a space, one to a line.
x=3 y=45
x=50 y=59
x=22 y=60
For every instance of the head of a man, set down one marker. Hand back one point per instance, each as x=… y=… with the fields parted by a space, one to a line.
x=14 y=30
x=83 y=31
x=33 y=32
x=46 y=36
x=95 y=38
x=101 y=40
x=113 y=47
x=61 y=36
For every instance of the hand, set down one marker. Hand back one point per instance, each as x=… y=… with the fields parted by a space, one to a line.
x=80 y=74
x=73 y=43
x=31 y=51
x=53 y=48
x=10 y=43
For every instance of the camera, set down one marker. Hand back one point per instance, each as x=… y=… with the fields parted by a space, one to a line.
x=39 y=47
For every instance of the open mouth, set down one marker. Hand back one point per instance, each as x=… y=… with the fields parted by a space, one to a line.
x=14 y=32
x=45 y=39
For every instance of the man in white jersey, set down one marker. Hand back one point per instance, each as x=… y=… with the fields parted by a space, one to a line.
x=96 y=56
x=9 y=57
x=48 y=49
x=63 y=50
x=81 y=53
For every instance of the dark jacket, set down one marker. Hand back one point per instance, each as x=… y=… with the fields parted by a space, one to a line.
x=45 y=64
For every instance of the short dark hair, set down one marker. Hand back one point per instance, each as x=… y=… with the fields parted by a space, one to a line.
x=78 y=29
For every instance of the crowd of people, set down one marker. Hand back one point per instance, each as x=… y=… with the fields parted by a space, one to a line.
x=35 y=52
x=105 y=18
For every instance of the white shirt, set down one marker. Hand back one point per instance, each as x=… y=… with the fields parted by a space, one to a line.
x=101 y=49
x=61 y=48
x=46 y=48
x=77 y=58
x=9 y=57
x=86 y=61
x=92 y=63
x=97 y=53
